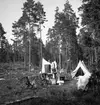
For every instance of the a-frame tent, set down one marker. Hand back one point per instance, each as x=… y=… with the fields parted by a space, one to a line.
x=81 y=69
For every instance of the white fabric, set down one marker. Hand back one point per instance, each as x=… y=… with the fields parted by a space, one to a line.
x=53 y=65
x=2 y=79
x=86 y=69
x=82 y=82
x=44 y=62
x=53 y=81
x=60 y=82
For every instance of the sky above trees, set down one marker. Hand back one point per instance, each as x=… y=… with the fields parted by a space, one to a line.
x=10 y=11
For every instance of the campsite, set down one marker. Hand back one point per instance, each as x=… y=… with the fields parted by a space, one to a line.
x=18 y=93
x=50 y=52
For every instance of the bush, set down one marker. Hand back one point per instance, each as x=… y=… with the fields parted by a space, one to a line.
x=68 y=77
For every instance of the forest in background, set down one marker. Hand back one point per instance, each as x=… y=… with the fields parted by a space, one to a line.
x=63 y=44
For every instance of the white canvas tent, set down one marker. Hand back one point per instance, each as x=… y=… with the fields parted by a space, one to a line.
x=83 y=68
x=44 y=62
x=84 y=79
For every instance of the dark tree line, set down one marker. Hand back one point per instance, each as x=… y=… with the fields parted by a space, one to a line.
x=6 y=53
x=62 y=39
x=33 y=15
x=63 y=44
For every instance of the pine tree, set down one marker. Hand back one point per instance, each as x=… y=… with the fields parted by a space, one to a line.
x=33 y=14
x=91 y=20
x=63 y=35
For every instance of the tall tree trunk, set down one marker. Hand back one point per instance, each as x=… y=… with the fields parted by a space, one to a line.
x=92 y=56
x=41 y=53
x=95 y=51
x=25 y=51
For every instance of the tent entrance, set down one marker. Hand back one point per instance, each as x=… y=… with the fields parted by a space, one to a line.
x=79 y=72
x=47 y=68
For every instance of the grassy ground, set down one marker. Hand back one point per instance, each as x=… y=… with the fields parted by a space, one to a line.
x=12 y=89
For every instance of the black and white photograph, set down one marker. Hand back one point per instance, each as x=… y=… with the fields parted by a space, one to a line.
x=49 y=52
